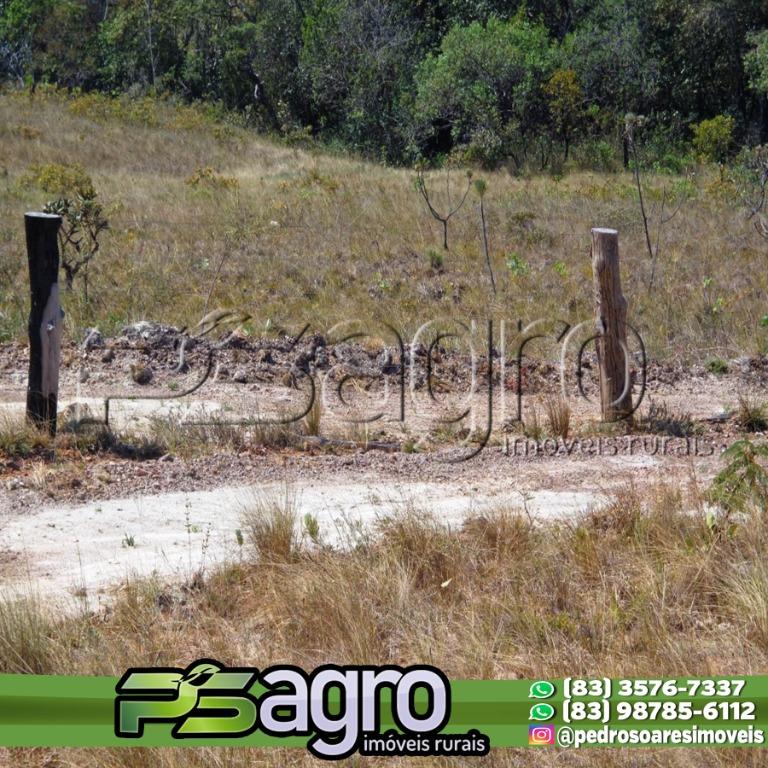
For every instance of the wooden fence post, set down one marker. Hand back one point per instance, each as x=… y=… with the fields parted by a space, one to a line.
x=611 y=318
x=45 y=319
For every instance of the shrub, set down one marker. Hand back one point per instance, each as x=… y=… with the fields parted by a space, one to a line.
x=212 y=179
x=712 y=139
x=716 y=365
x=517 y=265
x=62 y=180
x=565 y=100
x=484 y=79
x=661 y=420
x=744 y=482
x=751 y=415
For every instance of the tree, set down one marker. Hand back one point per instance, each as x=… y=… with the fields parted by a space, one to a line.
x=483 y=88
x=713 y=138
x=566 y=104
x=756 y=65
x=614 y=62
x=355 y=57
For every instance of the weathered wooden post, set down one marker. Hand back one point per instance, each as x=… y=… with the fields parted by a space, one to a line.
x=611 y=318
x=45 y=319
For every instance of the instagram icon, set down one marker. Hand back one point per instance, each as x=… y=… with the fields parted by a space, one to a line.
x=541 y=735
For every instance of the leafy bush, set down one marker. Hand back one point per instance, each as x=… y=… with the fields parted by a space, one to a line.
x=744 y=482
x=62 y=180
x=565 y=100
x=517 y=265
x=211 y=178
x=713 y=138
x=484 y=79
x=716 y=365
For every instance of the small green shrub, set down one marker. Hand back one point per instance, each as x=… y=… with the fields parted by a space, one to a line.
x=716 y=365
x=62 y=180
x=743 y=484
x=713 y=138
x=517 y=265
x=436 y=260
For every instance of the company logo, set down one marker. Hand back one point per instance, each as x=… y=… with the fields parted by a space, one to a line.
x=339 y=709
x=541 y=735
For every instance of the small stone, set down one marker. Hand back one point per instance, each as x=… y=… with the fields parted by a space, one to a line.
x=108 y=356
x=93 y=339
x=288 y=380
x=240 y=376
x=82 y=375
x=141 y=374
x=14 y=484
x=265 y=356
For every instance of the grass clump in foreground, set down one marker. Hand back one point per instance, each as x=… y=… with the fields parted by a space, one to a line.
x=638 y=587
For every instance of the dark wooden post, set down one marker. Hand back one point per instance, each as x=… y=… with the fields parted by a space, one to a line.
x=45 y=319
x=611 y=318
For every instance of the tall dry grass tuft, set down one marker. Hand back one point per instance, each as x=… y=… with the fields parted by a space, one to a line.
x=26 y=629
x=272 y=524
x=19 y=438
x=751 y=415
x=558 y=413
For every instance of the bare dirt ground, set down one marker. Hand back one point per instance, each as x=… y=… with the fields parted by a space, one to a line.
x=73 y=525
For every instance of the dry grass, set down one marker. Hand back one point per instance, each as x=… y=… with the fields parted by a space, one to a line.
x=558 y=414
x=637 y=586
x=661 y=419
x=272 y=525
x=309 y=237
x=752 y=414
x=18 y=438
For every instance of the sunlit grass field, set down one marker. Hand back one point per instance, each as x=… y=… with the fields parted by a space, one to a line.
x=205 y=213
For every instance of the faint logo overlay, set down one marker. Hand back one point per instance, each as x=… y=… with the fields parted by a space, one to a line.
x=467 y=380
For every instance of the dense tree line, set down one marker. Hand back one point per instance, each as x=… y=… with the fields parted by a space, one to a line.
x=493 y=80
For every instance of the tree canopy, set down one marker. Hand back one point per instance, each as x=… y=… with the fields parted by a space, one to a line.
x=403 y=80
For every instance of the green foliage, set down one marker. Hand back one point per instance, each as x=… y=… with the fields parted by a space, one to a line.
x=62 y=180
x=355 y=56
x=566 y=104
x=436 y=260
x=713 y=138
x=614 y=62
x=487 y=81
x=83 y=222
x=756 y=61
x=484 y=86
x=716 y=365
x=517 y=265
x=743 y=484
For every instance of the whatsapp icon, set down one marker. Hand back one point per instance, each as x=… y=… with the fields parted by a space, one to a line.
x=542 y=712
x=541 y=689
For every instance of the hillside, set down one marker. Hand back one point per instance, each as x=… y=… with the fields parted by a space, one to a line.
x=204 y=213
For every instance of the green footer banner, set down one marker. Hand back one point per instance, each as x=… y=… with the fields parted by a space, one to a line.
x=336 y=711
